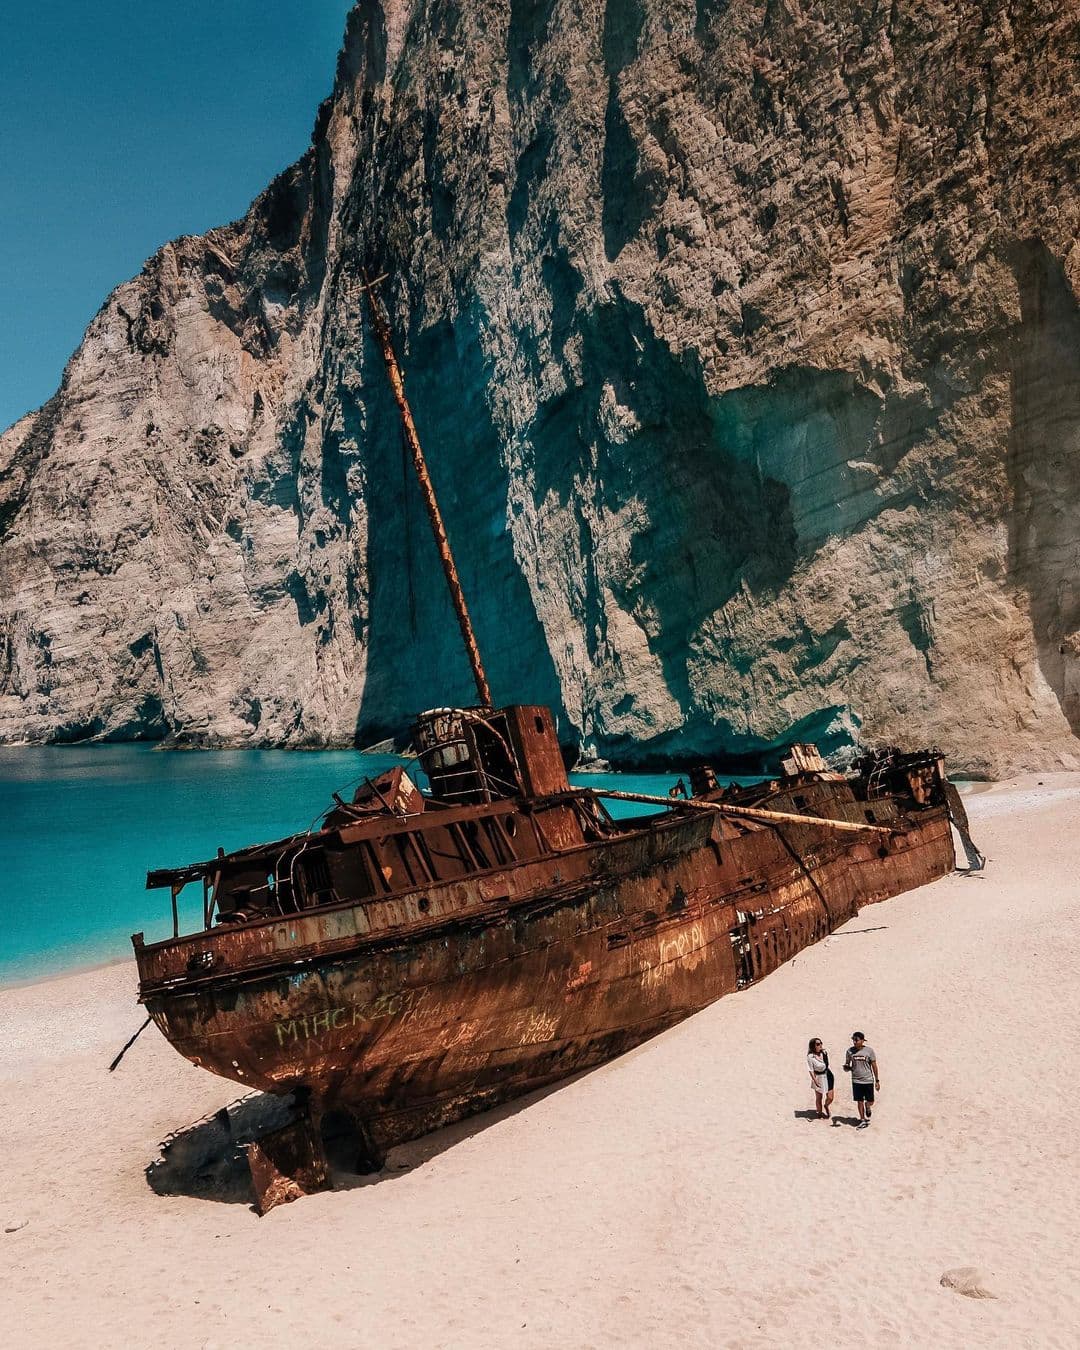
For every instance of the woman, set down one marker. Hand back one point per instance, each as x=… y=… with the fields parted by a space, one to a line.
x=821 y=1076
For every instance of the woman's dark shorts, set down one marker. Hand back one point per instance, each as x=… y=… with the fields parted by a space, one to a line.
x=862 y=1092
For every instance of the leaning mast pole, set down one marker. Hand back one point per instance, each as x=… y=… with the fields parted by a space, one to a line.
x=427 y=490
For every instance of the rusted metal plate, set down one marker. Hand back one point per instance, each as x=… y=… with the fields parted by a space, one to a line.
x=286 y=1164
x=536 y=747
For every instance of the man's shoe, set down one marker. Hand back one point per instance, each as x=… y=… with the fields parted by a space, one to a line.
x=869 y=1113
x=863 y=1125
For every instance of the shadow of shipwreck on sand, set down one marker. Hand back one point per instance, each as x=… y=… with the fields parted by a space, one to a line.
x=206 y=1160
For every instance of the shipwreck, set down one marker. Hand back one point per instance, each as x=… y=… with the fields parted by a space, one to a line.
x=421 y=955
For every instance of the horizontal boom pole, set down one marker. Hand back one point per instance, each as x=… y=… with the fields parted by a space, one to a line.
x=751 y=812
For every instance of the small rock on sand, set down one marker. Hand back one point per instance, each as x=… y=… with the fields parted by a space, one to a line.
x=16 y=1225
x=969 y=1281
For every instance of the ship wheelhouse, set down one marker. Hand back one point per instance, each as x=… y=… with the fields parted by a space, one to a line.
x=474 y=755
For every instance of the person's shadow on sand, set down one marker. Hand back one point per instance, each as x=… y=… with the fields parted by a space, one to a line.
x=834 y=1120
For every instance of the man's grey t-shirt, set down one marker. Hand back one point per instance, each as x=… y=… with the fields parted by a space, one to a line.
x=862 y=1062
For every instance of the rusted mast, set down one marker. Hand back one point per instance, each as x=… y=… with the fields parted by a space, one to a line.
x=427 y=491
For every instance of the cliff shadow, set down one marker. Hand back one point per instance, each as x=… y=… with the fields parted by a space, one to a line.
x=629 y=191
x=639 y=428
x=416 y=658
x=1044 y=468
x=718 y=494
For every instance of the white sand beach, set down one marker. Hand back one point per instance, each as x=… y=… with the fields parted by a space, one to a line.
x=676 y=1197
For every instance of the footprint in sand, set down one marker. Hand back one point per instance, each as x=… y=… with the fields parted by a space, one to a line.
x=969 y=1281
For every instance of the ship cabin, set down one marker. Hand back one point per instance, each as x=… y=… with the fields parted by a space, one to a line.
x=498 y=797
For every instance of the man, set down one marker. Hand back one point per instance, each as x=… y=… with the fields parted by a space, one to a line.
x=861 y=1062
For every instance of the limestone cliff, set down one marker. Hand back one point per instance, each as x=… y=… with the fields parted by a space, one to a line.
x=744 y=341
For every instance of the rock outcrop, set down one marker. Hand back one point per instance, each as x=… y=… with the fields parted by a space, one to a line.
x=744 y=341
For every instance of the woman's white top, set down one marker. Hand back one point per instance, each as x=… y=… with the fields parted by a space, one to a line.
x=817 y=1067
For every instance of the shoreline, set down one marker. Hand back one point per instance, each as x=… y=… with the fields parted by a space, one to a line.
x=727 y=764
x=69 y=972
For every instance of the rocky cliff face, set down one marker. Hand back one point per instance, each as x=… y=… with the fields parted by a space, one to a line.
x=744 y=341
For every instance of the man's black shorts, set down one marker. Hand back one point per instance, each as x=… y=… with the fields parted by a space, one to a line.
x=862 y=1092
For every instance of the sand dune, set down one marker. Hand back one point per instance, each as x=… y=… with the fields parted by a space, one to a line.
x=677 y=1197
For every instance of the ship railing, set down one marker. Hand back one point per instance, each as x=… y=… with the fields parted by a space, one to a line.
x=472 y=779
x=282 y=894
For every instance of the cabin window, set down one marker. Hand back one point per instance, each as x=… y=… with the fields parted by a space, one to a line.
x=539 y=723
x=800 y=802
x=446 y=756
x=871 y=817
x=315 y=878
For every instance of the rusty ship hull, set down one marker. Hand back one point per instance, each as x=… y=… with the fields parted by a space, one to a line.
x=412 y=1010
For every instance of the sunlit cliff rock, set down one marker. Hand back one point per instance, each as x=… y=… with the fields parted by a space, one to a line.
x=744 y=342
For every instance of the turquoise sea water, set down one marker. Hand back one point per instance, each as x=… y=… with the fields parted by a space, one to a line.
x=81 y=826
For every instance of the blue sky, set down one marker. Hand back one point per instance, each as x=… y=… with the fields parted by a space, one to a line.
x=124 y=124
